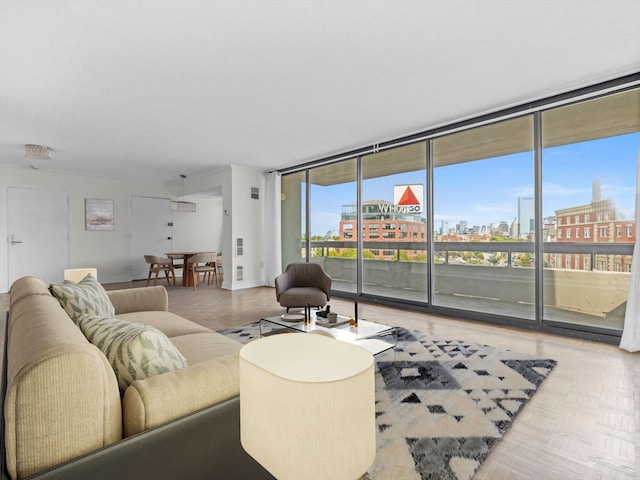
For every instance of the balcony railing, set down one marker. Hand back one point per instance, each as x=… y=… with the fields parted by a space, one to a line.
x=591 y=296
x=592 y=249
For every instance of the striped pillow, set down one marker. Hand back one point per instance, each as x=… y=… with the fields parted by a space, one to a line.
x=85 y=298
x=135 y=351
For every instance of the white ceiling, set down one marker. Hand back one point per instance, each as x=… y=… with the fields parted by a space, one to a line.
x=152 y=89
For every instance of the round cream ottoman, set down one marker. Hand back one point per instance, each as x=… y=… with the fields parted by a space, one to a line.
x=307 y=406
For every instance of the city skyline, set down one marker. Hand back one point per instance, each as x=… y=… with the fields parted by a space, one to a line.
x=487 y=191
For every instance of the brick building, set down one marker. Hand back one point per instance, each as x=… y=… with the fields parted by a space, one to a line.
x=382 y=221
x=598 y=222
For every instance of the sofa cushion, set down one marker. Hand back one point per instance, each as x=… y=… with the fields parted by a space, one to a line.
x=135 y=351
x=302 y=296
x=145 y=299
x=200 y=347
x=167 y=322
x=85 y=298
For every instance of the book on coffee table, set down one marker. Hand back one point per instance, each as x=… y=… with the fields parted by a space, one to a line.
x=332 y=325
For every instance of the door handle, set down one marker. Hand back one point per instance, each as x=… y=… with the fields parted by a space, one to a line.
x=14 y=241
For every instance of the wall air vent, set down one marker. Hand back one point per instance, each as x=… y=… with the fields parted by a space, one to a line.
x=255 y=193
x=183 y=206
x=239 y=247
x=239 y=273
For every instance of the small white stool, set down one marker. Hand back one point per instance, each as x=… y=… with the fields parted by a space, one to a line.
x=307 y=406
x=76 y=275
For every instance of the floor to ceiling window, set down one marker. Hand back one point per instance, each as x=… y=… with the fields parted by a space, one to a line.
x=484 y=220
x=293 y=215
x=589 y=158
x=332 y=195
x=394 y=223
x=526 y=217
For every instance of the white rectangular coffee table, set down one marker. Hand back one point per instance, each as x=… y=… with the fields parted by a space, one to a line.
x=374 y=337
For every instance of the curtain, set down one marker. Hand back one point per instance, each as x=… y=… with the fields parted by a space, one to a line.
x=631 y=334
x=273 y=254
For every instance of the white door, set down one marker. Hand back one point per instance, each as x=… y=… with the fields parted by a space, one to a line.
x=152 y=232
x=38 y=228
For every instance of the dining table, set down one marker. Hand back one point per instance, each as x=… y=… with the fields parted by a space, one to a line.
x=187 y=279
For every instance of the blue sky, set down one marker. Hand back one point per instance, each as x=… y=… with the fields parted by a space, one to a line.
x=487 y=191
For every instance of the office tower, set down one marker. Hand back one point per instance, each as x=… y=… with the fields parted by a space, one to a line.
x=526 y=216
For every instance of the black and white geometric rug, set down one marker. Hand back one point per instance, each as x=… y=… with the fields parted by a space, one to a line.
x=442 y=404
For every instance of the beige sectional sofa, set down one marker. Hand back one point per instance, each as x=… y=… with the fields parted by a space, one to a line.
x=65 y=415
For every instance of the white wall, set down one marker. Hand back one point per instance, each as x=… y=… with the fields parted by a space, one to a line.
x=247 y=219
x=110 y=251
x=200 y=230
x=242 y=218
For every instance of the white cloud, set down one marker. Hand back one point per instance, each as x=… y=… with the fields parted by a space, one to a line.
x=556 y=189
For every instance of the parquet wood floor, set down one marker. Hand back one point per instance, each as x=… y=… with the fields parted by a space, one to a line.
x=583 y=423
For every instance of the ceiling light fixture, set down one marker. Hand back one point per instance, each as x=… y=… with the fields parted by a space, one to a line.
x=181 y=205
x=37 y=152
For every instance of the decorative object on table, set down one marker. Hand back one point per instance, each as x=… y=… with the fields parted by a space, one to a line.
x=328 y=324
x=292 y=317
x=442 y=404
x=332 y=317
x=343 y=436
x=324 y=313
x=98 y=214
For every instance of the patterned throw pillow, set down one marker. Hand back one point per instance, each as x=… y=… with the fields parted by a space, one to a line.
x=135 y=351
x=85 y=298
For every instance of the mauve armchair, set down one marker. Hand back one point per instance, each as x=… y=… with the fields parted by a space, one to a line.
x=303 y=284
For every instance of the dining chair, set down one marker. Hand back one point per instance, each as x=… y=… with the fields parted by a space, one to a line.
x=160 y=264
x=178 y=260
x=203 y=263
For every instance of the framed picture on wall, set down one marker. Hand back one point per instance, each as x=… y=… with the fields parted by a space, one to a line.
x=98 y=214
